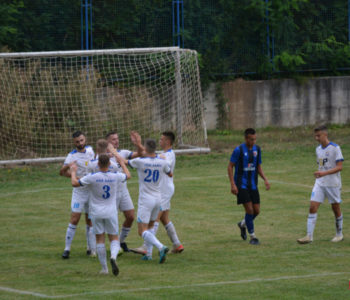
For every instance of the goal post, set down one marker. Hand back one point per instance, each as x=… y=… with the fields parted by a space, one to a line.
x=46 y=96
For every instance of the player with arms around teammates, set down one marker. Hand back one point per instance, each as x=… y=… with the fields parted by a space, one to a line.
x=150 y=170
x=327 y=184
x=246 y=159
x=166 y=142
x=125 y=202
x=103 y=187
x=81 y=155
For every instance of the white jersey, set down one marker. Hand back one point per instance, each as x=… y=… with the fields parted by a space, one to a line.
x=93 y=166
x=150 y=172
x=103 y=189
x=82 y=160
x=167 y=185
x=327 y=159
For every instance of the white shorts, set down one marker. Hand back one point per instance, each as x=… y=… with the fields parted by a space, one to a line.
x=148 y=211
x=124 y=201
x=108 y=225
x=80 y=200
x=165 y=202
x=331 y=193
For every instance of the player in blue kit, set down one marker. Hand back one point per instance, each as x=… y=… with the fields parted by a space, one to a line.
x=246 y=159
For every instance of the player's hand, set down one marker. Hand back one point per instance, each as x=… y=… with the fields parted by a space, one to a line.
x=135 y=137
x=318 y=174
x=73 y=167
x=234 y=190
x=267 y=185
x=111 y=149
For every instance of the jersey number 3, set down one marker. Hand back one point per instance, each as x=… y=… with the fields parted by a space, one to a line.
x=106 y=189
x=151 y=176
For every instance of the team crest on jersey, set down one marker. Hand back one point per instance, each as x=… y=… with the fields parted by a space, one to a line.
x=86 y=163
x=255 y=153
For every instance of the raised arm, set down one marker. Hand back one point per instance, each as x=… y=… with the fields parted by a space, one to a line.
x=234 y=189
x=136 y=140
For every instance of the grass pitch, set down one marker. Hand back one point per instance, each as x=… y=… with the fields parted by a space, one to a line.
x=216 y=263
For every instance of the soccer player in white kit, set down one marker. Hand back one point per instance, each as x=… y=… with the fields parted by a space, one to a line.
x=80 y=196
x=166 y=142
x=125 y=202
x=103 y=187
x=150 y=169
x=327 y=184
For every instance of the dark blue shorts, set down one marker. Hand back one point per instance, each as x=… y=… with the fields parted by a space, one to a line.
x=248 y=195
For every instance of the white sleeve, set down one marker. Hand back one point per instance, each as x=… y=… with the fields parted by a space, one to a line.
x=122 y=177
x=86 y=180
x=134 y=163
x=68 y=159
x=170 y=158
x=166 y=168
x=339 y=155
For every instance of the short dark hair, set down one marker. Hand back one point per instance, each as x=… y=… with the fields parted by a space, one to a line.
x=77 y=134
x=321 y=128
x=150 y=145
x=170 y=135
x=103 y=160
x=249 y=131
x=110 y=133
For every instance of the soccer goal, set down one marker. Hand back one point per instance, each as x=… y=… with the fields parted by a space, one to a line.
x=46 y=96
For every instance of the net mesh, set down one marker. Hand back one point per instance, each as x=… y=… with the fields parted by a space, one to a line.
x=43 y=100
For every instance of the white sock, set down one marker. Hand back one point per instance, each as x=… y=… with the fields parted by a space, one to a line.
x=252 y=235
x=311 y=223
x=70 y=235
x=115 y=246
x=124 y=233
x=170 y=229
x=87 y=234
x=149 y=248
x=339 y=225
x=150 y=238
x=92 y=239
x=154 y=229
x=102 y=255
x=243 y=222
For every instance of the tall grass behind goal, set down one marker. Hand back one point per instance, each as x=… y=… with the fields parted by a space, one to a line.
x=46 y=96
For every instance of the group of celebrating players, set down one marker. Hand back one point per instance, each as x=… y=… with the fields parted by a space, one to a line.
x=100 y=189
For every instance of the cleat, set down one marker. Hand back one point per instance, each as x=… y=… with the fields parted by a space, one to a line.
x=104 y=272
x=120 y=252
x=305 y=240
x=178 y=249
x=140 y=250
x=146 y=257
x=65 y=254
x=254 y=241
x=124 y=247
x=93 y=254
x=115 y=269
x=162 y=254
x=337 y=238
x=243 y=231
x=88 y=252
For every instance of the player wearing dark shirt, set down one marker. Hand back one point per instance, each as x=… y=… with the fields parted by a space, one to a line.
x=246 y=159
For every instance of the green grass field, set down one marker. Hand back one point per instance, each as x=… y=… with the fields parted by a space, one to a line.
x=216 y=263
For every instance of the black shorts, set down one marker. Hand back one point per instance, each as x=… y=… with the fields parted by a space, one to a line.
x=247 y=195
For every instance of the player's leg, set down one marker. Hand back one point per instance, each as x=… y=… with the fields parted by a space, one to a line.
x=127 y=207
x=317 y=197
x=70 y=233
x=333 y=195
x=99 y=230
x=90 y=237
x=170 y=229
x=111 y=228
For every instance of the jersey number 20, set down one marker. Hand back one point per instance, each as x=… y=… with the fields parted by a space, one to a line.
x=151 y=176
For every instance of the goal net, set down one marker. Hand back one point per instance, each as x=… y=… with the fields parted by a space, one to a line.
x=46 y=96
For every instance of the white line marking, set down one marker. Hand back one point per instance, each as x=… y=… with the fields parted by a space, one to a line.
x=148 y=289
x=176 y=180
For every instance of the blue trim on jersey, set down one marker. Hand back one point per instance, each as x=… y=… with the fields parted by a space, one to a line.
x=130 y=155
x=73 y=151
x=80 y=182
x=330 y=144
x=340 y=160
x=130 y=165
x=169 y=150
